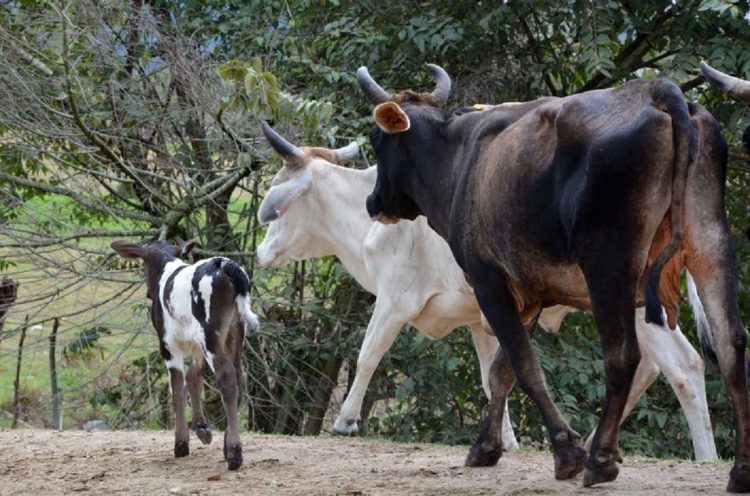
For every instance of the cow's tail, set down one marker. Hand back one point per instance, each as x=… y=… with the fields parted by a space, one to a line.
x=668 y=97
x=241 y=283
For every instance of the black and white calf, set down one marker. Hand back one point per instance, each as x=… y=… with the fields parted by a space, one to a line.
x=200 y=311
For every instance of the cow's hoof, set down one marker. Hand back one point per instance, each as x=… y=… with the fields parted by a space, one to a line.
x=204 y=433
x=181 y=449
x=601 y=468
x=483 y=456
x=234 y=456
x=569 y=462
x=739 y=480
x=346 y=428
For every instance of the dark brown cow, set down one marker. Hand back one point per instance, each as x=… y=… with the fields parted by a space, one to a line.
x=579 y=201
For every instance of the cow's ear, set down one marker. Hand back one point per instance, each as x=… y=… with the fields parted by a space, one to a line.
x=187 y=247
x=390 y=118
x=127 y=249
x=282 y=195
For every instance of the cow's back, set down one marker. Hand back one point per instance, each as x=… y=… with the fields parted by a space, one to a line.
x=568 y=169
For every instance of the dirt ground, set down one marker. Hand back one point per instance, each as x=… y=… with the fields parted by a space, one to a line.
x=36 y=462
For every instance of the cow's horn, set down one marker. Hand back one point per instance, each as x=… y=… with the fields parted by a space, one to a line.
x=370 y=88
x=281 y=145
x=348 y=152
x=442 y=83
x=735 y=87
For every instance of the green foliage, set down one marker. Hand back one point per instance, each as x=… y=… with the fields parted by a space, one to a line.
x=85 y=342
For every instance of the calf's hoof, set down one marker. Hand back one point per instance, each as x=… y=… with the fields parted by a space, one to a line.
x=233 y=455
x=204 y=433
x=346 y=428
x=569 y=462
x=601 y=468
x=483 y=456
x=181 y=449
x=739 y=480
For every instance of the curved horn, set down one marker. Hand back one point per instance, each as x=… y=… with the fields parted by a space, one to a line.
x=442 y=83
x=348 y=152
x=281 y=145
x=735 y=87
x=370 y=88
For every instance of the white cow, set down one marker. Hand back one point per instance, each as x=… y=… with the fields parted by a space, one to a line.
x=316 y=208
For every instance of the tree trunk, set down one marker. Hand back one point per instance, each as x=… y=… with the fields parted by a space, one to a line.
x=321 y=395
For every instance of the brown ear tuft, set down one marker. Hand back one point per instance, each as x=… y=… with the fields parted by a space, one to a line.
x=390 y=118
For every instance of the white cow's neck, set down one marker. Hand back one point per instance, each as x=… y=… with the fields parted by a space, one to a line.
x=344 y=222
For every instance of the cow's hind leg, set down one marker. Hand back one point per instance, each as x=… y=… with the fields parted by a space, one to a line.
x=499 y=308
x=612 y=292
x=195 y=386
x=177 y=385
x=683 y=368
x=717 y=287
x=710 y=260
x=645 y=375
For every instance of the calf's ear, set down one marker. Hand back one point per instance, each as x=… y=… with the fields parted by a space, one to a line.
x=282 y=195
x=390 y=118
x=127 y=249
x=187 y=247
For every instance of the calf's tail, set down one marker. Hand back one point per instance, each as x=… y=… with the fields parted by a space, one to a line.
x=241 y=283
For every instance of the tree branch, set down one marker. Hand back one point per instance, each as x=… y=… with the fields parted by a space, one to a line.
x=107 y=209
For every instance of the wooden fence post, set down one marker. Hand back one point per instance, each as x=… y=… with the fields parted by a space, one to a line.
x=56 y=417
x=16 y=383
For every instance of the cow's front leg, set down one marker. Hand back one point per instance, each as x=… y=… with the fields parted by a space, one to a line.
x=195 y=387
x=384 y=326
x=498 y=307
x=177 y=385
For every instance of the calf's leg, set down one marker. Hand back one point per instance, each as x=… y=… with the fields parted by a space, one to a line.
x=177 y=384
x=195 y=386
x=229 y=383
